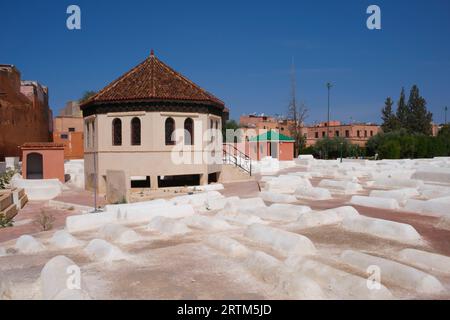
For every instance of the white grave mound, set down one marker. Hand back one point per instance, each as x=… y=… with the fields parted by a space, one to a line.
x=425 y=260
x=433 y=174
x=132 y=215
x=401 y=195
x=119 y=234
x=168 y=226
x=444 y=222
x=277 y=197
x=264 y=266
x=39 y=190
x=101 y=250
x=300 y=287
x=56 y=281
x=281 y=212
x=285 y=242
x=206 y=223
x=307 y=193
x=64 y=240
x=228 y=246
x=435 y=207
x=336 y=283
x=286 y=184
x=345 y=187
x=28 y=244
x=394 y=272
x=383 y=229
x=373 y=202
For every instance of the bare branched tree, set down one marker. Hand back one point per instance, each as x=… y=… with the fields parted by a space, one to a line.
x=296 y=117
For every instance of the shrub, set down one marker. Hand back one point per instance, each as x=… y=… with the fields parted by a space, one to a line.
x=45 y=220
x=389 y=150
x=334 y=147
x=307 y=150
x=411 y=145
x=5 y=179
x=5 y=222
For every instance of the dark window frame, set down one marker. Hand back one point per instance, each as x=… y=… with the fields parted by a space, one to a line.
x=117 y=132
x=189 y=132
x=169 y=129
x=136 y=128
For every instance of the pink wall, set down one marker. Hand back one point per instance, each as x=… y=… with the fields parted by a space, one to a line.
x=52 y=163
x=286 y=151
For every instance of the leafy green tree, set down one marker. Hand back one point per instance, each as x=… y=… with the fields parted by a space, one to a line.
x=86 y=96
x=407 y=145
x=230 y=125
x=402 y=110
x=335 y=146
x=390 y=149
x=444 y=140
x=390 y=121
x=419 y=118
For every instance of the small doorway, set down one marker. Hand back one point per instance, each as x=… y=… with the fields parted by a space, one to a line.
x=35 y=169
x=273 y=150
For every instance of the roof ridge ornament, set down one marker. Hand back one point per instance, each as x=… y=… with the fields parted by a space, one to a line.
x=152 y=53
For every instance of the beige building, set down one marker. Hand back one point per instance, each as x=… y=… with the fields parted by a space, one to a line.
x=156 y=127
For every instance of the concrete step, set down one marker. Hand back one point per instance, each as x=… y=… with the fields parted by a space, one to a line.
x=232 y=173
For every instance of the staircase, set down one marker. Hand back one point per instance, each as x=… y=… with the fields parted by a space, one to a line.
x=236 y=164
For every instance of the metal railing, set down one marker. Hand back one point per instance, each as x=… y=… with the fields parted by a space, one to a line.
x=232 y=155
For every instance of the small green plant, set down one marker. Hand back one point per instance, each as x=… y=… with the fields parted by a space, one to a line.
x=45 y=220
x=121 y=201
x=5 y=222
x=5 y=178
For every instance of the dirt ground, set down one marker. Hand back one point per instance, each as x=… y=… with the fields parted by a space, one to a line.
x=186 y=268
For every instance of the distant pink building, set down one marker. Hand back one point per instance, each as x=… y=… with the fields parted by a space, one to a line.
x=356 y=133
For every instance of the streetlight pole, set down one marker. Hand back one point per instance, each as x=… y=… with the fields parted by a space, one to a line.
x=329 y=86
x=95 y=182
x=445 y=113
x=94 y=146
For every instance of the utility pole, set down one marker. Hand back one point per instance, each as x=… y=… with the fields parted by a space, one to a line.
x=329 y=86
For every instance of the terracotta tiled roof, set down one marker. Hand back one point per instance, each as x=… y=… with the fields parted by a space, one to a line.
x=153 y=80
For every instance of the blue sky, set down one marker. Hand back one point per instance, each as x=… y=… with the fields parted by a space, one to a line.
x=241 y=50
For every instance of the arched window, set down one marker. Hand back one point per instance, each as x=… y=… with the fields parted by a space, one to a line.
x=88 y=133
x=170 y=128
x=135 y=132
x=117 y=132
x=93 y=134
x=189 y=132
